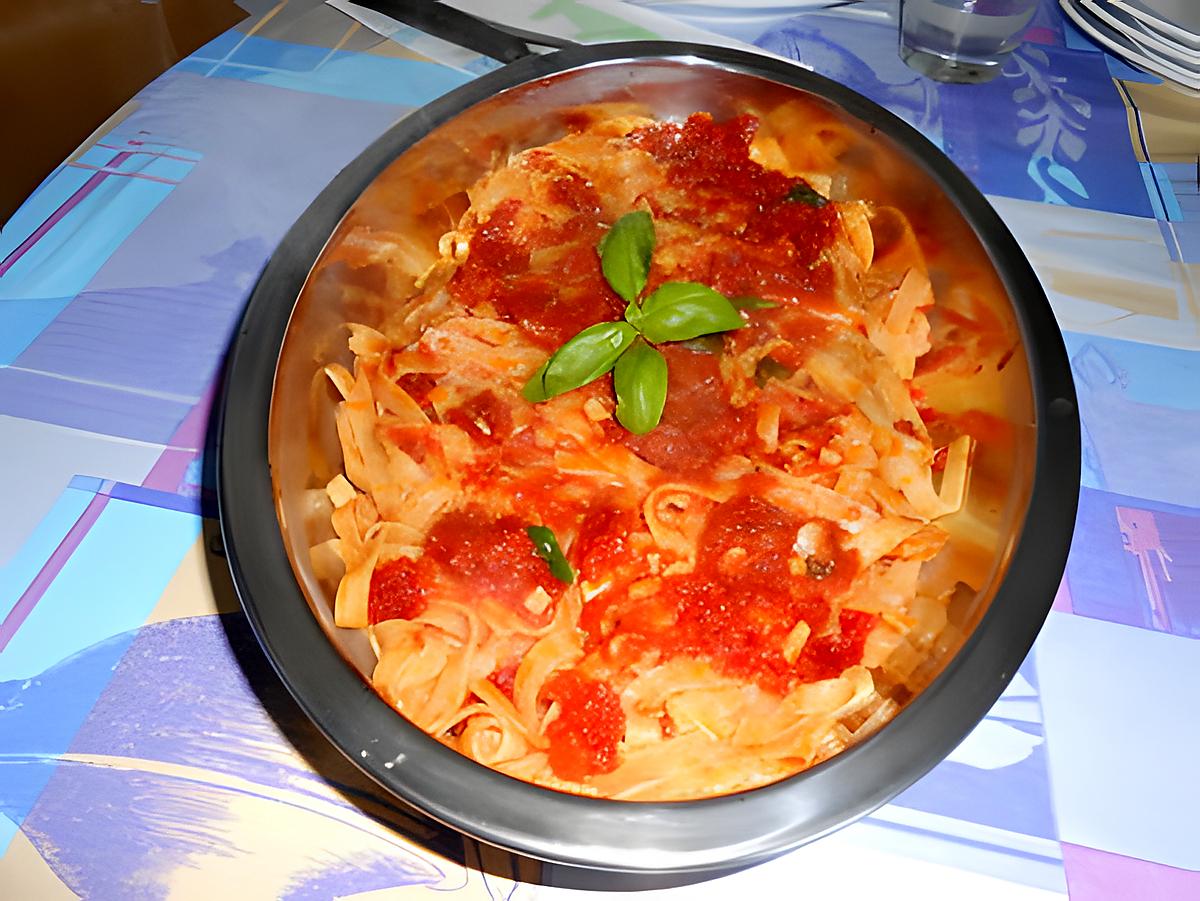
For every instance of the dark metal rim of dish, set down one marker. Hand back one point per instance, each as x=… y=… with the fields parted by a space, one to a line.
x=678 y=837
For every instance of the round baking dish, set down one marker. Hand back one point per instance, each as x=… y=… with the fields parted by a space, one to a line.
x=273 y=448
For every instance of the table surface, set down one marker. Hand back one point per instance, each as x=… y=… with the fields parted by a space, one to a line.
x=147 y=749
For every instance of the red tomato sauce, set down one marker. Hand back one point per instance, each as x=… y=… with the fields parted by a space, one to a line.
x=773 y=243
x=553 y=301
x=738 y=606
x=584 y=737
x=505 y=678
x=603 y=548
x=699 y=424
x=544 y=274
x=484 y=417
x=825 y=656
x=397 y=591
x=493 y=557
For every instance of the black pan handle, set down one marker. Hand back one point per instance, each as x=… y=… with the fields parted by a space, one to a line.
x=492 y=40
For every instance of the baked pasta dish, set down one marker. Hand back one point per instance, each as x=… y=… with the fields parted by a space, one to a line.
x=637 y=495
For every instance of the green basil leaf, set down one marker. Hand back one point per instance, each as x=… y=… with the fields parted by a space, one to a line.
x=678 y=311
x=535 y=389
x=545 y=545
x=625 y=252
x=585 y=357
x=802 y=193
x=752 y=303
x=640 y=382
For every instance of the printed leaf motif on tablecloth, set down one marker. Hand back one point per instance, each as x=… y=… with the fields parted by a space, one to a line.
x=1057 y=120
x=1052 y=128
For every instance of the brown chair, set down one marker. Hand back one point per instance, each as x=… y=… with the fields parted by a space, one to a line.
x=67 y=66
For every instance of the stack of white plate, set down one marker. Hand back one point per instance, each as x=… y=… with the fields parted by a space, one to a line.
x=1160 y=36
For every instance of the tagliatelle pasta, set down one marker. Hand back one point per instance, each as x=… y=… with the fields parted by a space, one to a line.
x=747 y=598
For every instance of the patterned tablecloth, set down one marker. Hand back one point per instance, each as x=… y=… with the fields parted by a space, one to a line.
x=147 y=749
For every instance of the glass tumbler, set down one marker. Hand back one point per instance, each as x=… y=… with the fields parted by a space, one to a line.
x=962 y=41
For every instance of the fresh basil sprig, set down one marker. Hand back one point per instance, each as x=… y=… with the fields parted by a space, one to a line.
x=545 y=545
x=675 y=311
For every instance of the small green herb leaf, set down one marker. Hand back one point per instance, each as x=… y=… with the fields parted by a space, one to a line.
x=545 y=545
x=803 y=193
x=585 y=357
x=625 y=252
x=640 y=382
x=769 y=368
x=705 y=344
x=678 y=311
x=752 y=303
